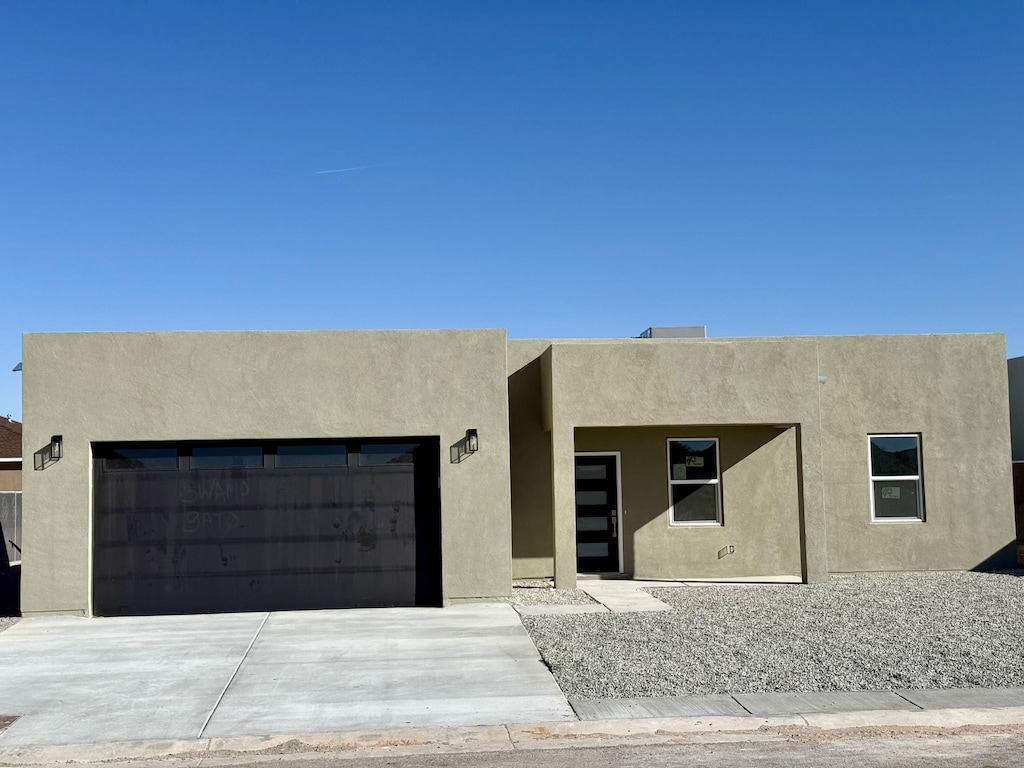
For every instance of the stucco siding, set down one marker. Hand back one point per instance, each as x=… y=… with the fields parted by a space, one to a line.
x=532 y=536
x=760 y=503
x=834 y=391
x=10 y=477
x=950 y=390
x=264 y=385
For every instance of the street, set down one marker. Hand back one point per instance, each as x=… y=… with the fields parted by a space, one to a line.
x=962 y=752
x=919 y=749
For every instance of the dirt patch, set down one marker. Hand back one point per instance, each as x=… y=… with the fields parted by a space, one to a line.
x=6 y=720
x=298 y=747
x=810 y=733
x=797 y=733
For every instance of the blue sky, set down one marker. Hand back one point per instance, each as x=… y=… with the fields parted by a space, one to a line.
x=555 y=168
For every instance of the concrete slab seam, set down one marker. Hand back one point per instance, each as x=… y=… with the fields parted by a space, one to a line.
x=238 y=666
x=912 y=703
x=740 y=703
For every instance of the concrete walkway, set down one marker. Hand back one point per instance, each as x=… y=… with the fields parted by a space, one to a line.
x=771 y=704
x=614 y=595
x=624 y=596
x=627 y=595
x=75 y=680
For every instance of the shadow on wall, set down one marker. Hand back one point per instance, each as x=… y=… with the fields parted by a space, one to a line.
x=42 y=459
x=736 y=444
x=530 y=468
x=1005 y=558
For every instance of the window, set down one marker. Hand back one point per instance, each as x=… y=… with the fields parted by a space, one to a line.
x=140 y=459
x=227 y=457
x=312 y=455
x=896 y=477
x=694 y=489
x=382 y=454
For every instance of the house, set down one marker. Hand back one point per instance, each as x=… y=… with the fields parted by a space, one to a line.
x=194 y=472
x=1015 y=371
x=10 y=455
x=10 y=511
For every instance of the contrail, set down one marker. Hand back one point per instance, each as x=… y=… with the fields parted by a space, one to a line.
x=354 y=168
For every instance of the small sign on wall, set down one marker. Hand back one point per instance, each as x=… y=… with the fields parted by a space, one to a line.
x=890 y=492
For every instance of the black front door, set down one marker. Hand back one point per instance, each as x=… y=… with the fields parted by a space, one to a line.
x=597 y=524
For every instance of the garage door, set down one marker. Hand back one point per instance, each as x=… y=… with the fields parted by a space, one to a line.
x=260 y=526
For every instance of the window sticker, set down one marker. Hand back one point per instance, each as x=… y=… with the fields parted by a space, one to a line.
x=695 y=461
x=890 y=492
x=678 y=472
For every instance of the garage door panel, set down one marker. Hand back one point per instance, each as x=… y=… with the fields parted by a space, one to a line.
x=265 y=538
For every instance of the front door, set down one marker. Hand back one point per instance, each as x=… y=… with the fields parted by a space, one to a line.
x=597 y=519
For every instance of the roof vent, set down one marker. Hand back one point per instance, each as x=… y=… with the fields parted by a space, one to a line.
x=676 y=332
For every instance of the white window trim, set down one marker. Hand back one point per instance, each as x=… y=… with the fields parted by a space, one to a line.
x=873 y=478
x=717 y=482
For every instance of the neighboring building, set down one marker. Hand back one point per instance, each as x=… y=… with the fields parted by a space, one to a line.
x=195 y=472
x=1015 y=370
x=10 y=510
x=10 y=454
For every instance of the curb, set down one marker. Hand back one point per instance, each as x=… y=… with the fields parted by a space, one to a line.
x=529 y=736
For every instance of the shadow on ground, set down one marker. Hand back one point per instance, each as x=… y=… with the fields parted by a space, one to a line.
x=10 y=591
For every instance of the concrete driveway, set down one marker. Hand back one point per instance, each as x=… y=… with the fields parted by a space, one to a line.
x=76 y=680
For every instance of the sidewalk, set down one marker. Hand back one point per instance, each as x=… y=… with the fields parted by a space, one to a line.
x=365 y=744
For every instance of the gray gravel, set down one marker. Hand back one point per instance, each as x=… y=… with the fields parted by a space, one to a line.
x=540 y=592
x=8 y=621
x=878 y=632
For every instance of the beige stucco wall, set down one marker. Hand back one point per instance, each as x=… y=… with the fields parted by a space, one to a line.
x=532 y=537
x=1015 y=374
x=950 y=388
x=242 y=385
x=760 y=503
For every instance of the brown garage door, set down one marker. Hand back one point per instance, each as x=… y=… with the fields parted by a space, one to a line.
x=260 y=526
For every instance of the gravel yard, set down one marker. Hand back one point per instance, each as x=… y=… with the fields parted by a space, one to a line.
x=877 y=632
x=7 y=621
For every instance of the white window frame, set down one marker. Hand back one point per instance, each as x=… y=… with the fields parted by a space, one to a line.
x=717 y=482
x=873 y=478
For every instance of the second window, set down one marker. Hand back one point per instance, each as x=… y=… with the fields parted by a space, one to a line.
x=694 y=487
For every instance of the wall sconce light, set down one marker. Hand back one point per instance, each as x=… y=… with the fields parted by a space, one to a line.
x=56 y=447
x=472 y=441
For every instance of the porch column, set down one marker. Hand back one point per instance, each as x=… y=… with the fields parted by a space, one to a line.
x=813 y=528
x=563 y=505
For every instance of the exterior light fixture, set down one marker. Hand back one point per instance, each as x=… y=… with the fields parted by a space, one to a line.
x=472 y=441
x=56 y=447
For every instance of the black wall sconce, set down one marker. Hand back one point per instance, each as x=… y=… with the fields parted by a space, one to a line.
x=472 y=441
x=56 y=447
